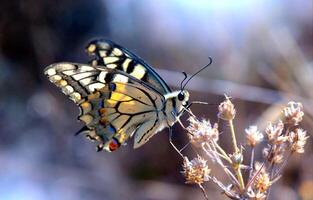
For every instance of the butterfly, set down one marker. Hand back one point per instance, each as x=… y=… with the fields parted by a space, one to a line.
x=119 y=96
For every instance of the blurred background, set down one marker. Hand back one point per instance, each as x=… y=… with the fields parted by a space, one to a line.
x=263 y=58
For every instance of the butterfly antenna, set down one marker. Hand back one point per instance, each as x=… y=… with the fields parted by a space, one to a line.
x=207 y=65
x=185 y=77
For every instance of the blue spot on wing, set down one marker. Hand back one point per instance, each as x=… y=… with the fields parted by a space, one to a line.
x=111 y=129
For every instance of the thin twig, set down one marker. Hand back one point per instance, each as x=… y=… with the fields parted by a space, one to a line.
x=255 y=175
x=259 y=171
x=283 y=165
x=227 y=192
x=203 y=191
x=230 y=175
x=222 y=152
x=233 y=135
x=251 y=162
x=217 y=153
x=236 y=150
x=271 y=175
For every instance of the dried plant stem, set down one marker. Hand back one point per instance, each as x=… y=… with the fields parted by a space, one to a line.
x=221 y=150
x=203 y=191
x=239 y=176
x=222 y=156
x=251 y=180
x=283 y=165
x=212 y=152
x=227 y=192
x=271 y=175
x=280 y=146
x=233 y=135
x=251 y=163
x=236 y=150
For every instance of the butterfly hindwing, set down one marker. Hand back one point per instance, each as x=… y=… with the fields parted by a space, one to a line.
x=113 y=104
x=111 y=55
x=117 y=115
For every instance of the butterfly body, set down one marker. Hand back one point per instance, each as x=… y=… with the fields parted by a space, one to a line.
x=119 y=96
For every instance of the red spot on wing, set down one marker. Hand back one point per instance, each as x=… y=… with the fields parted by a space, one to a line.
x=114 y=144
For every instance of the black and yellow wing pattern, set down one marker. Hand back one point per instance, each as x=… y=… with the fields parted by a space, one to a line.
x=112 y=55
x=118 y=94
x=113 y=105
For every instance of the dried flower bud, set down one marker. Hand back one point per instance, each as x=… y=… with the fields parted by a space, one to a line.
x=196 y=171
x=266 y=152
x=262 y=182
x=253 y=136
x=202 y=132
x=259 y=166
x=236 y=159
x=293 y=113
x=276 y=155
x=274 y=133
x=297 y=139
x=226 y=110
x=253 y=195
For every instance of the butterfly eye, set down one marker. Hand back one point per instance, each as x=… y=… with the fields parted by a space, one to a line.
x=181 y=96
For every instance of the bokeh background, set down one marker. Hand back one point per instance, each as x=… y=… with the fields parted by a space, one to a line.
x=263 y=57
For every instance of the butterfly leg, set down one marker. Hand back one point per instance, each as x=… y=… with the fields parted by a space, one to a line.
x=186 y=109
x=171 y=142
x=184 y=147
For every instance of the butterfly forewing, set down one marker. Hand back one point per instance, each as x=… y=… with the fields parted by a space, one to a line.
x=113 y=104
x=77 y=81
x=111 y=55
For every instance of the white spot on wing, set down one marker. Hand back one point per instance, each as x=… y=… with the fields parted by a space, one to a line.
x=86 y=68
x=75 y=96
x=117 y=52
x=67 y=89
x=64 y=66
x=139 y=71
x=102 y=76
x=108 y=60
x=111 y=66
x=51 y=72
x=85 y=81
x=55 y=78
x=80 y=76
x=120 y=78
x=125 y=64
x=103 y=53
x=93 y=87
x=69 y=72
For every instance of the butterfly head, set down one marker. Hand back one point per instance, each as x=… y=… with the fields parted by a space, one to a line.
x=175 y=103
x=182 y=98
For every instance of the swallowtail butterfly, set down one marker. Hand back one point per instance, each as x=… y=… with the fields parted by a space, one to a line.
x=119 y=96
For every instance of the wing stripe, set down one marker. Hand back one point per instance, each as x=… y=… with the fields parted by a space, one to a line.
x=155 y=122
x=77 y=85
x=131 y=66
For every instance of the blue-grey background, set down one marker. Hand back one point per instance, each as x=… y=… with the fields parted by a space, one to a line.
x=263 y=57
